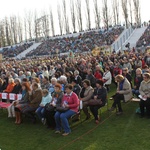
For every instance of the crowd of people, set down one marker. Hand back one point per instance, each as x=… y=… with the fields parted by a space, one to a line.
x=13 y=51
x=53 y=88
x=144 y=39
x=84 y=42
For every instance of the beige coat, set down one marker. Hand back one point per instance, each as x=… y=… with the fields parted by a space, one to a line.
x=88 y=94
x=145 y=88
x=126 y=91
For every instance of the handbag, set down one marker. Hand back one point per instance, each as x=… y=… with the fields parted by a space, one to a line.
x=49 y=107
x=61 y=109
x=93 y=102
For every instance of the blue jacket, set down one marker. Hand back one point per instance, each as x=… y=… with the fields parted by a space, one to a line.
x=46 y=99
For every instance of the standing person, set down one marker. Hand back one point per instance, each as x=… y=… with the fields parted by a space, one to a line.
x=124 y=92
x=144 y=91
x=70 y=100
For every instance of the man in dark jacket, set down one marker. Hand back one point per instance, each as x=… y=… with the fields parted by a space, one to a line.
x=76 y=87
x=91 y=78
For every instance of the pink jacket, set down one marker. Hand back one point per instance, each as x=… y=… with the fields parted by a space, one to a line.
x=72 y=100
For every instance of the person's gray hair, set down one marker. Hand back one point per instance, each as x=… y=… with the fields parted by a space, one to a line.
x=53 y=79
x=17 y=80
x=63 y=78
x=76 y=72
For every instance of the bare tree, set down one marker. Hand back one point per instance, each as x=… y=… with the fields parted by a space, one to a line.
x=73 y=15
x=66 y=21
x=137 y=12
x=2 y=34
x=25 y=29
x=20 y=30
x=36 y=25
x=60 y=19
x=115 y=7
x=105 y=12
x=97 y=14
x=88 y=17
x=44 y=24
x=79 y=15
x=29 y=23
x=125 y=11
x=13 y=27
x=52 y=21
x=131 y=11
x=7 y=33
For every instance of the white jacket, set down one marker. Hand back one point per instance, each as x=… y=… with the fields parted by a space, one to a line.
x=107 y=76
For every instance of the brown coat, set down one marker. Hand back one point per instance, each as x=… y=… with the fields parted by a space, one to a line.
x=126 y=91
x=35 y=98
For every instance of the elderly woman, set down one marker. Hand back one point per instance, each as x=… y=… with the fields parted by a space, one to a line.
x=70 y=100
x=124 y=92
x=52 y=85
x=144 y=91
x=10 y=86
x=85 y=95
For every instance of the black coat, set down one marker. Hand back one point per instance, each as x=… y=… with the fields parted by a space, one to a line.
x=101 y=94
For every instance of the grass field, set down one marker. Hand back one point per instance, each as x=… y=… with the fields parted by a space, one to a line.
x=125 y=132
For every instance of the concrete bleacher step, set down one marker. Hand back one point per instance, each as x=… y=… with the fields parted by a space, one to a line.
x=135 y=37
x=23 y=54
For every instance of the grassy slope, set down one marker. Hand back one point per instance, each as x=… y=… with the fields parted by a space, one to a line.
x=126 y=132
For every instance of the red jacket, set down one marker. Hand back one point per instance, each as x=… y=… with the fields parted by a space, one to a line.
x=9 y=88
x=72 y=100
x=98 y=75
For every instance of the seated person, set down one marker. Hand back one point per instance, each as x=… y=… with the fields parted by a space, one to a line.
x=124 y=92
x=98 y=99
x=46 y=98
x=76 y=87
x=144 y=91
x=20 y=104
x=50 y=109
x=35 y=98
x=45 y=83
x=10 y=87
x=86 y=95
x=70 y=100
x=137 y=81
x=52 y=85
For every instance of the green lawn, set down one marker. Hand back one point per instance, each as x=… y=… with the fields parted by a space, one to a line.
x=125 y=132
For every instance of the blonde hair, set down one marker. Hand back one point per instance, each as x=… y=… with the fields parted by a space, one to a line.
x=11 y=80
x=119 y=78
